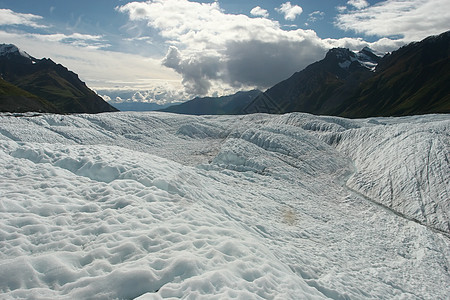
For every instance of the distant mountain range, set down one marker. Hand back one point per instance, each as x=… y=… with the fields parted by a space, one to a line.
x=412 y=80
x=232 y=104
x=30 y=84
x=137 y=106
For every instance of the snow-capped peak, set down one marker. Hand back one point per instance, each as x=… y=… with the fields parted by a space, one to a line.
x=10 y=49
x=368 y=50
x=367 y=57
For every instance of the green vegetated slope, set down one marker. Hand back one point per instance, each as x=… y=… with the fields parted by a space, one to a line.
x=412 y=80
x=14 y=99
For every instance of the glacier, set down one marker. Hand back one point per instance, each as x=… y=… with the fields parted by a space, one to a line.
x=135 y=205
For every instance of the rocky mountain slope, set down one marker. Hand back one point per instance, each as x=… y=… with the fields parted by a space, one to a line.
x=412 y=80
x=50 y=87
x=322 y=87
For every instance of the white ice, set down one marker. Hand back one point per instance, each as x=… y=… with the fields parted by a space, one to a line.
x=159 y=206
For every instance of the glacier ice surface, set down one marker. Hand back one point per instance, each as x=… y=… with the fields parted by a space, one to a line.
x=158 y=206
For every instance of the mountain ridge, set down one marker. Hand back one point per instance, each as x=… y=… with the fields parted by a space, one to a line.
x=214 y=105
x=47 y=81
x=409 y=81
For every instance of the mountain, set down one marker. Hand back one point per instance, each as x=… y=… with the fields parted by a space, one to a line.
x=137 y=106
x=14 y=99
x=60 y=89
x=231 y=104
x=321 y=87
x=412 y=80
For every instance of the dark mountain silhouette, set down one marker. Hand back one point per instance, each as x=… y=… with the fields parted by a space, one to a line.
x=322 y=87
x=412 y=80
x=58 y=89
x=231 y=104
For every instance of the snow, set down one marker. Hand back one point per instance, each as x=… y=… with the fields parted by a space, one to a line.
x=163 y=206
x=7 y=49
x=362 y=57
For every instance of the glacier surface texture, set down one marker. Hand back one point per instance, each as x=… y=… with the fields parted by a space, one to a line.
x=159 y=206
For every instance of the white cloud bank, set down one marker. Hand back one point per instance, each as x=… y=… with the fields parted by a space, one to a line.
x=410 y=19
x=215 y=52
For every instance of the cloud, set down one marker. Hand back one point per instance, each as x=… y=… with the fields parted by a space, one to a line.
x=358 y=4
x=9 y=17
x=410 y=19
x=341 y=8
x=382 y=45
x=76 y=39
x=211 y=49
x=197 y=71
x=100 y=69
x=316 y=16
x=160 y=94
x=290 y=12
x=259 y=12
x=216 y=52
x=262 y=64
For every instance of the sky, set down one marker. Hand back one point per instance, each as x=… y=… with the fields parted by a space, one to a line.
x=172 y=50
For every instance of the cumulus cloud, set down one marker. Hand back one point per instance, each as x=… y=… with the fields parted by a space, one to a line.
x=409 y=19
x=214 y=52
x=159 y=94
x=210 y=48
x=263 y=64
x=259 y=12
x=358 y=4
x=197 y=71
x=9 y=17
x=289 y=11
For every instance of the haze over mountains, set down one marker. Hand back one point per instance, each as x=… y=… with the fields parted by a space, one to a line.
x=30 y=84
